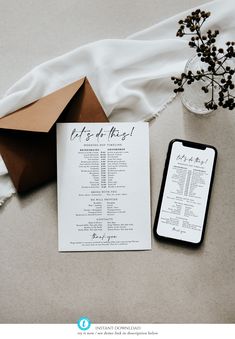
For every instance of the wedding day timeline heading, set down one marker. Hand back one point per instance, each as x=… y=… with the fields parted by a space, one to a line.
x=106 y=135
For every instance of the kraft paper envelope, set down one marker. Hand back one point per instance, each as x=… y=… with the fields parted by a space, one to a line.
x=27 y=136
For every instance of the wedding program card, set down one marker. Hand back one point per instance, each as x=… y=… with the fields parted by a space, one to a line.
x=103 y=186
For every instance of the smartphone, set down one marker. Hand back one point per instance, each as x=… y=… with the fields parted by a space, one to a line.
x=185 y=192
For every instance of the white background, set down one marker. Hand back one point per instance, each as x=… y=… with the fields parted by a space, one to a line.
x=167 y=284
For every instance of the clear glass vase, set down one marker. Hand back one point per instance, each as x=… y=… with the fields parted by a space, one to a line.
x=193 y=97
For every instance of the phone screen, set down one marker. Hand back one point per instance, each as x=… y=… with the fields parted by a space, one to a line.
x=185 y=192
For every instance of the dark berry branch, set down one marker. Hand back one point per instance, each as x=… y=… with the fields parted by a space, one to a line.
x=216 y=69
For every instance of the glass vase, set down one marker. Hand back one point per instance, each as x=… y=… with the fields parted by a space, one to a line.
x=193 y=97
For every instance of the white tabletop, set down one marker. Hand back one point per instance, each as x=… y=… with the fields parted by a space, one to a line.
x=168 y=284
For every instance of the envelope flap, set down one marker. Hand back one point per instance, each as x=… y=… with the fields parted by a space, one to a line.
x=43 y=113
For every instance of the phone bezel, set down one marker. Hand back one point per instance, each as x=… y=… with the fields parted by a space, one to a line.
x=192 y=145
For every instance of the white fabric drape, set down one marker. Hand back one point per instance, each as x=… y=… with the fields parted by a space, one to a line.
x=131 y=77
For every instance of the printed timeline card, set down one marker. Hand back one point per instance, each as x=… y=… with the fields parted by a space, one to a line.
x=103 y=186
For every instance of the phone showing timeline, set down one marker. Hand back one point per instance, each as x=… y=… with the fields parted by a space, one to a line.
x=185 y=192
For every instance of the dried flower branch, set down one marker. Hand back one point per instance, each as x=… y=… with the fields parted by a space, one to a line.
x=217 y=73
